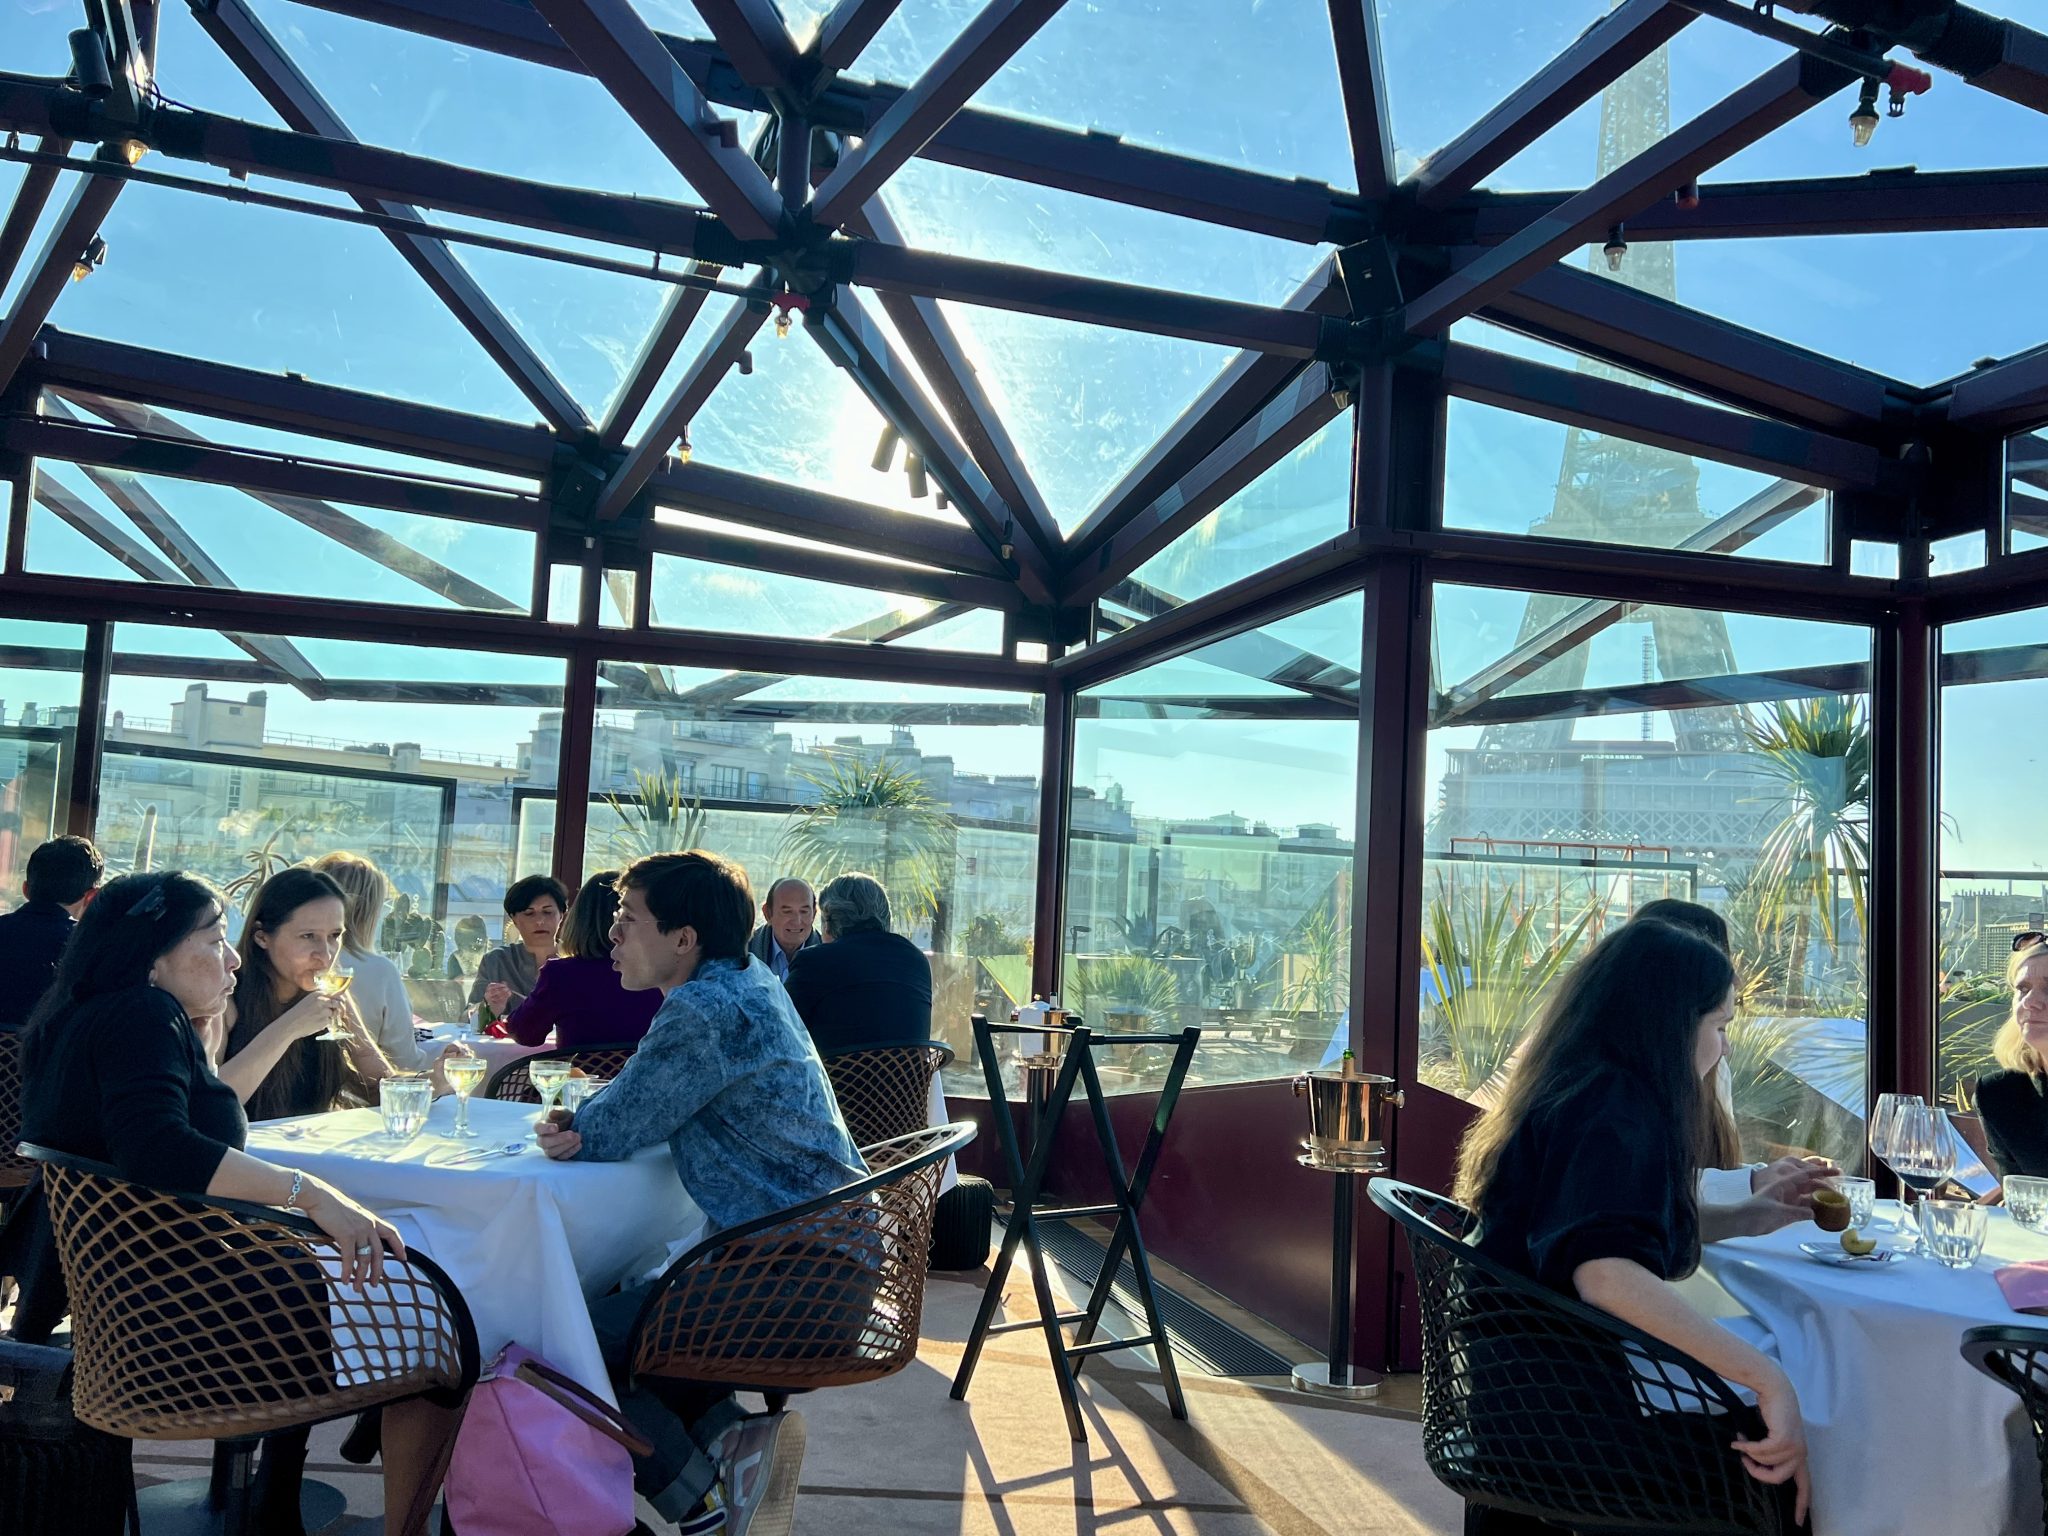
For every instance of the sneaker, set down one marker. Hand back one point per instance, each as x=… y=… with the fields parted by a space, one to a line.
x=706 y=1520
x=759 y=1459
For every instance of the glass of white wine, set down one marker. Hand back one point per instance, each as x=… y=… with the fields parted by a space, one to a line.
x=465 y=1074
x=332 y=982
x=547 y=1076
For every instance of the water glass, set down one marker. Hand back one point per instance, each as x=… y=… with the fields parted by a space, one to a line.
x=405 y=1098
x=575 y=1090
x=1861 y=1195
x=2027 y=1198
x=1953 y=1231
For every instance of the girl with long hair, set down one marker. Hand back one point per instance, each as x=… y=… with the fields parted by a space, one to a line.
x=1585 y=1174
x=577 y=994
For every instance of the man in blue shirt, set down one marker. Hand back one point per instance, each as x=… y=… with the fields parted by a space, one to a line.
x=61 y=877
x=728 y=1079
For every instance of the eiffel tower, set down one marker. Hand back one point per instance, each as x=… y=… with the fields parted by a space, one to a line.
x=1616 y=491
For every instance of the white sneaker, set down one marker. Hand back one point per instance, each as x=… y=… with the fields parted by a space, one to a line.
x=759 y=1460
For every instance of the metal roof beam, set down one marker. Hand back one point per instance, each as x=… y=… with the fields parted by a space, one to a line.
x=1737 y=689
x=1602 y=54
x=1774 y=98
x=622 y=51
x=718 y=357
x=756 y=39
x=846 y=32
x=819 y=564
x=43 y=284
x=656 y=352
x=1361 y=76
x=987 y=43
x=295 y=99
x=2007 y=397
x=1988 y=51
x=37 y=183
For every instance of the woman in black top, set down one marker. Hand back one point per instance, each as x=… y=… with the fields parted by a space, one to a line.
x=1585 y=1174
x=2014 y=1102
x=116 y=1072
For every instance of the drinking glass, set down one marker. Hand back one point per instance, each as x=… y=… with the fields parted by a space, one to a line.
x=1884 y=1119
x=405 y=1098
x=332 y=982
x=547 y=1077
x=1953 y=1231
x=465 y=1074
x=2027 y=1198
x=1861 y=1195
x=1923 y=1153
x=577 y=1090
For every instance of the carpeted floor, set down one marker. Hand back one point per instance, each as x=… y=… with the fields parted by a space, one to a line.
x=900 y=1456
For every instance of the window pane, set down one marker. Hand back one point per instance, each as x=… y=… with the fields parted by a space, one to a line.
x=1718 y=758
x=271 y=750
x=699 y=594
x=932 y=790
x=2026 y=506
x=1209 y=878
x=40 y=676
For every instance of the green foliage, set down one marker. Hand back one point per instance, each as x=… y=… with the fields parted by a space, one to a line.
x=988 y=934
x=1322 y=961
x=1120 y=984
x=1765 y=1094
x=658 y=819
x=877 y=818
x=1491 y=966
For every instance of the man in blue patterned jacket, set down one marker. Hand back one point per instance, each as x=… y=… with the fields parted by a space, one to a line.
x=728 y=1078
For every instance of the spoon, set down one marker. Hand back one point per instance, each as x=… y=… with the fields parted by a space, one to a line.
x=510 y=1149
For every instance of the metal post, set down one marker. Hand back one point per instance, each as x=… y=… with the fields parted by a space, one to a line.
x=89 y=731
x=1054 y=799
x=572 y=774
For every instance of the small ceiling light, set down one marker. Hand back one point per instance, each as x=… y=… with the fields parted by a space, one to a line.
x=885 y=449
x=913 y=466
x=1863 y=121
x=1687 y=196
x=787 y=305
x=1615 y=248
x=132 y=150
x=95 y=256
x=746 y=362
x=683 y=448
x=89 y=71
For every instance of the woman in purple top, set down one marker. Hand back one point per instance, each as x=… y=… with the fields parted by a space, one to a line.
x=578 y=994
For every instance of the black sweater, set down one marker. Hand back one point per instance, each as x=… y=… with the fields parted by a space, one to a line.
x=862 y=990
x=2015 y=1114
x=124 y=1080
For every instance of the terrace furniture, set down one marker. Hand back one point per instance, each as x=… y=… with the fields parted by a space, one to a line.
x=514 y=1081
x=2017 y=1359
x=1537 y=1405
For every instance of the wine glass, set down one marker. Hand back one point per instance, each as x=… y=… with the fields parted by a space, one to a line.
x=465 y=1074
x=1884 y=1119
x=332 y=982
x=1923 y=1154
x=547 y=1076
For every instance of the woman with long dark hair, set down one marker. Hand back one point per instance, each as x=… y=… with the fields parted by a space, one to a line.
x=577 y=994
x=1585 y=1173
x=116 y=1071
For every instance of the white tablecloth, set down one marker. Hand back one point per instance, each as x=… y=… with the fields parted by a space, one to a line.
x=527 y=1241
x=1904 y=1437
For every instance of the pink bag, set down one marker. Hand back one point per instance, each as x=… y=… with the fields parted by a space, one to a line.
x=540 y=1455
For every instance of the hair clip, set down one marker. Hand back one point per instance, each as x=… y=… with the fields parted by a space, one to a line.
x=151 y=905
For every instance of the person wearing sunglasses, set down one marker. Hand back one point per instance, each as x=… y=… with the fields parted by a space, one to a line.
x=2014 y=1100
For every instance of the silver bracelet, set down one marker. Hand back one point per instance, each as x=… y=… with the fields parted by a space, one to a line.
x=291 y=1201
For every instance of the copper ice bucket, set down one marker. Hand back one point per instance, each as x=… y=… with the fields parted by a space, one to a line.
x=1341 y=1109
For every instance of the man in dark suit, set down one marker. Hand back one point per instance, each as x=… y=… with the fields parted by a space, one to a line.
x=61 y=877
x=865 y=986
x=787 y=925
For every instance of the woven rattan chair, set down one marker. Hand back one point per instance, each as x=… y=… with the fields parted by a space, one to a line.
x=884 y=1091
x=2017 y=1359
x=514 y=1082
x=1536 y=1404
x=16 y=1172
x=205 y=1319
x=826 y=1294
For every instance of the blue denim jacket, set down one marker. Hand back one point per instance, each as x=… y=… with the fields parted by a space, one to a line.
x=728 y=1077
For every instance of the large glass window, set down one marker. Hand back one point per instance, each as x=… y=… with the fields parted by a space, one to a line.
x=1994 y=855
x=236 y=754
x=932 y=790
x=1586 y=757
x=1209 y=860
x=39 y=691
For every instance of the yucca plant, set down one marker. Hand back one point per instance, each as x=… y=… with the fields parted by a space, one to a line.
x=1120 y=984
x=659 y=818
x=880 y=819
x=1323 y=958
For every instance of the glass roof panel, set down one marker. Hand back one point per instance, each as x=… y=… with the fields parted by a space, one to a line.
x=1499 y=338
x=1083 y=402
x=709 y=595
x=283 y=293
x=1260 y=92
x=966 y=213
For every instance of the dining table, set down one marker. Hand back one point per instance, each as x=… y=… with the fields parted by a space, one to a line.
x=528 y=1241
x=497 y=1052
x=1904 y=1437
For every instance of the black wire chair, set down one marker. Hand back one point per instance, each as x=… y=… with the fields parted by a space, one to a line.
x=514 y=1080
x=1538 y=1405
x=2017 y=1359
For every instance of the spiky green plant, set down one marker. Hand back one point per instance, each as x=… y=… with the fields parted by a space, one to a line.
x=1323 y=958
x=1120 y=984
x=874 y=817
x=659 y=818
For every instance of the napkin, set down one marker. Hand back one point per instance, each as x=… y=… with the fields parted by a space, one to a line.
x=2025 y=1285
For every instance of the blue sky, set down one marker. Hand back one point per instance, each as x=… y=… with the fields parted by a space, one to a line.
x=1244 y=81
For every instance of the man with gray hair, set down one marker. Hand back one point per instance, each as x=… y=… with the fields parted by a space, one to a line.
x=786 y=925
x=864 y=986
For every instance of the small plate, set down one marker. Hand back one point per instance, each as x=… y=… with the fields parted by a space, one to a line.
x=1841 y=1258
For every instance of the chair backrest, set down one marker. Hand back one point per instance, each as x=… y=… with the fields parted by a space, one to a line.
x=2017 y=1359
x=827 y=1294
x=1538 y=1404
x=884 y=1091
x=203 y=1319
x=514 y=1081
x=16 y=1171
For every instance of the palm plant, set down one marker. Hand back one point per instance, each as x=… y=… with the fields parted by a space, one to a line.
x=1490 y=966
x=1318 y=945
x=875 y=817
x=658 y=819
x=1815 y=753
x=1121 y=984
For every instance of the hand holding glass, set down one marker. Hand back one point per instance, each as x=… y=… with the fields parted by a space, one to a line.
x=465 y=1074
x=332 y=982
x=576 y=1091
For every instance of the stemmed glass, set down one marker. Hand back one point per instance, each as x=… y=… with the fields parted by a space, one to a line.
x=465 y=1074
x=332 y=982
x=547 y=1077
x=1884 y=1120
x=1923 y=1155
